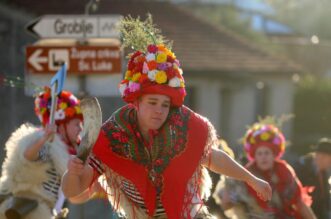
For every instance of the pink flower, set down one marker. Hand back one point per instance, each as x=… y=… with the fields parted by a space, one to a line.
x=145 y=68
x=182 y=91
x=276 y=141
x=43 y=103
x=133 y=86
x=177 y=62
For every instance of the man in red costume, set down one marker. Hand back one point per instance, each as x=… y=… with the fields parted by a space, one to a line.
x=265 y=144
x=151 y=154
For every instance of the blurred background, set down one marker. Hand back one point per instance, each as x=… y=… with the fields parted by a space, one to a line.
x=241 y=59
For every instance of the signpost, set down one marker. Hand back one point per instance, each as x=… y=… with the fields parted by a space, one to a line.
x=89 y=46
x=80 y=60
x=75 y=26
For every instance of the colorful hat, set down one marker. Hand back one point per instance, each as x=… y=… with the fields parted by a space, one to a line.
x=67 y=107
x=155 y=72
x=264 y=135
x=152 y=67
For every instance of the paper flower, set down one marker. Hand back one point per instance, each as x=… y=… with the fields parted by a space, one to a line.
x=161 y=77
x=161 y=57
x=174 y=82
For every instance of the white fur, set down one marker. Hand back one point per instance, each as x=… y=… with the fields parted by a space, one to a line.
x=24 y=178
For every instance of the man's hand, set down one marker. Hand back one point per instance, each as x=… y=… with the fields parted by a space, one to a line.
x=75 y=166
x=77 y=179
x=49 y=131
x=261 y=187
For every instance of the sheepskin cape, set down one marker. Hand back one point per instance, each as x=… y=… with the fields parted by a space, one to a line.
x=24 y=178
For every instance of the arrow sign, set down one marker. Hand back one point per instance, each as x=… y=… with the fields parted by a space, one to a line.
x=75 y=26
x=85 y=59
x=35 y=59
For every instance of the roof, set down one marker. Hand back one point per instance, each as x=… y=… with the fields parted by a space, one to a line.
x=198 y=45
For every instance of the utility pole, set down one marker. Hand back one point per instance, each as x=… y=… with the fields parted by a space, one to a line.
x=92 y=5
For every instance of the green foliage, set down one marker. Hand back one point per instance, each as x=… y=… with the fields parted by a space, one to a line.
x=312 y=109
x=273 y=120
x=138 y=34
x=310 y=17
x=226 y=16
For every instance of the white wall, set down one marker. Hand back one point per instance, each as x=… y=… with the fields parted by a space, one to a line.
x=282 y=96
x=207 y=99
x=242 y=113
x=243 y=102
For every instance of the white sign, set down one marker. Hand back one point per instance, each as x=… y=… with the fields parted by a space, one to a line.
x=76 y=26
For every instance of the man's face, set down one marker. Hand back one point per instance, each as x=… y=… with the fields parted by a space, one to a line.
x=73 y=128
x=153 y=110
x=323 y=161
x=264 y=158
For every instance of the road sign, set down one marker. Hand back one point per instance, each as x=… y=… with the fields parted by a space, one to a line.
x=75 y=26
x=79 y=59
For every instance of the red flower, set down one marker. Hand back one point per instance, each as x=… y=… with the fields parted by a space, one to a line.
x=143 y=78
x=70 y=111
x=152 y=48
x=140 y=59
x=121 y=137
x=181 y=141
x=152 y=65
x=134 y=55
x=170 y=59
x=158 y=162
x=125 y=81
x=65 y=94
x=138 y=67
x=115 y=135
x=171 y=73
x=176 y=120
x=131 y=65
x=124 y=139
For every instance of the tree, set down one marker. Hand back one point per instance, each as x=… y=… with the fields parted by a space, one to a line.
x=308 y=17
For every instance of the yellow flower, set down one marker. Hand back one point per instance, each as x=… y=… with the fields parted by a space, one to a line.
x=63 y=105
x=182 y=84
x=161 y=57
x=42 y=111
x=265 y=136
x=136 y=76
x=161 y=77
x=170 y=53
x=252 y=141
x=78 y=111
x=128 y=75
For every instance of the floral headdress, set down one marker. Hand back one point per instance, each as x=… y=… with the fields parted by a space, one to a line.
x=67 y=107
x=264 y=133
x=153 y=67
